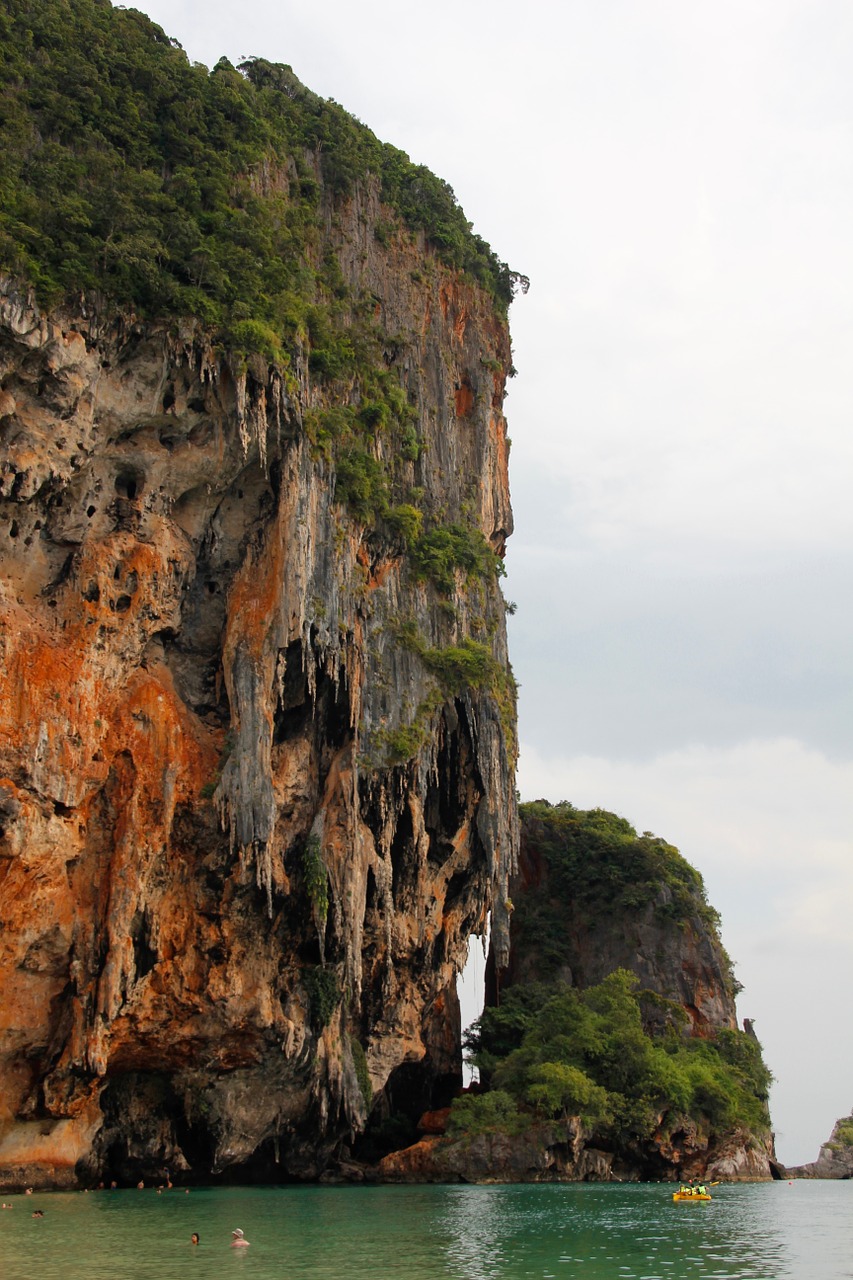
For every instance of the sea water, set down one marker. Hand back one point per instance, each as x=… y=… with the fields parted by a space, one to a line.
x=766 y=1231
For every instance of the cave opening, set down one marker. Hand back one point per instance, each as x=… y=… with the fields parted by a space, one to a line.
x=145 y=955
x=403 y=869
x=370 y=892
x=141 y=1113
x=293 y=710
x=445 y=804
x=128 y=484
x=328 y=714
x=333 y=701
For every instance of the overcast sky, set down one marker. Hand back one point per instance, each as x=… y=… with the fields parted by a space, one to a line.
x=676 y=178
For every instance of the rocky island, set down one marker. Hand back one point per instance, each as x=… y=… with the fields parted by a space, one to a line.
x=609 y=1042
x=835 y=1158
x=257 y=718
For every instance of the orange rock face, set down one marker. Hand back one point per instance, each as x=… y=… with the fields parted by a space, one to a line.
x=200 y=673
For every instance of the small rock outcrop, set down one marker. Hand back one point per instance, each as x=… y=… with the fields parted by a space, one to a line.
x=835 y=1159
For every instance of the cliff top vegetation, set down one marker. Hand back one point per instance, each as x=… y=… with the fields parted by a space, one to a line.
x=599 y=859
x=596 y=861
x=129 y=174
x=126 y=169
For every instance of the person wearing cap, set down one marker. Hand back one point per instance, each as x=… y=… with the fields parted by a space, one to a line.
x=238 y=1240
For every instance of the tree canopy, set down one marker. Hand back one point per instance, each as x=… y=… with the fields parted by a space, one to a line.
x=555 y=1051
x=126 y=169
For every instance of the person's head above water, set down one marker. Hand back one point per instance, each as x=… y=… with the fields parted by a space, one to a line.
x=238 y=1239
x=194 y=1238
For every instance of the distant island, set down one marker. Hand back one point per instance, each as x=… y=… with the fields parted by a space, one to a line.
x=835 y=1158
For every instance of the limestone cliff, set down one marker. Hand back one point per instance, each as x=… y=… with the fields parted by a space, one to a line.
x=257 y=765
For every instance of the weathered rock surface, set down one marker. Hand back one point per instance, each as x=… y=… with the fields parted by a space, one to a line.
x=835 y=1159
x=543 y=1153
x=571 y=1152
x=200 y=664
x=677 y=957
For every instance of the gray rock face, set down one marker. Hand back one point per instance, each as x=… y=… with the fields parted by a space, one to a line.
x=204 y=657
x=678 y=956
x=543 y=1153
x=836 y=1156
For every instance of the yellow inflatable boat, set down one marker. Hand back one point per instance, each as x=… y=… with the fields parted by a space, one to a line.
x=690 y=1195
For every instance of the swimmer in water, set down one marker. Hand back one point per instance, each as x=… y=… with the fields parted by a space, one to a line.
x=238 y=1240
x=195 y=1238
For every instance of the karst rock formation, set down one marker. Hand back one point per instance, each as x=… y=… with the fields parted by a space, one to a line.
x=257 y=716
x=233 y=906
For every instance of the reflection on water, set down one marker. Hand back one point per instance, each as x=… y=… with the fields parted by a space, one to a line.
x=774 y=1231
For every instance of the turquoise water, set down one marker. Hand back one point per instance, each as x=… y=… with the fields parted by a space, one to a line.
x=773 y=1231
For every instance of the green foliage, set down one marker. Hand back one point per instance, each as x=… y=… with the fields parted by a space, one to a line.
x=324 y=995
x=439 y=554
x=374 y=415
x=404 y=742
x=844 y=1132
x=359 y=1060
x=560 y=1051
x=598 y=863
x=410 y=445
x=559 y=1091
x=604 y=861
x=494 y=1112
x=253 y=337
x=325 y=428
x=131 y=175
x=126 y=169
x=316 y=879
x=361 y=484
x=743 y=1053
x=407 y=521
x=468 y=665
x=501 y=1028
